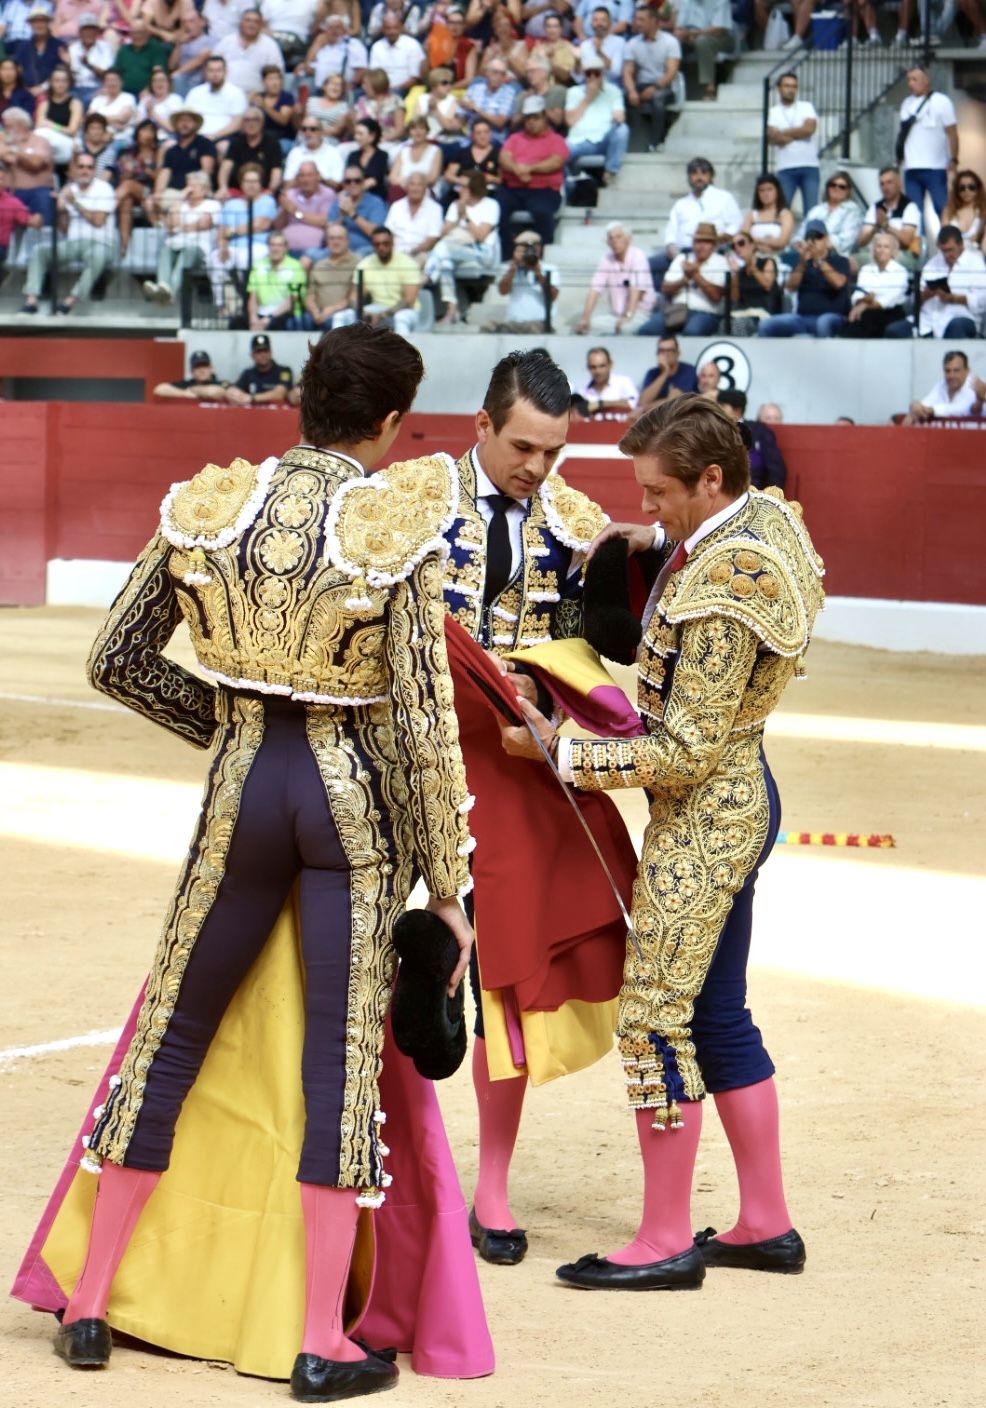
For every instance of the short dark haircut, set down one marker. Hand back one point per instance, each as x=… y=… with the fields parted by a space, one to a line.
x=597 y=351
x=736 y=399
x=950 y=357
x=884 y=170
x=790 y=74
x=526 y=376
x=700 y=163
x=950 y=234
x=669 y=337
x=690 y=433
x=372 y=126
x=381 y=230
x=354 y=377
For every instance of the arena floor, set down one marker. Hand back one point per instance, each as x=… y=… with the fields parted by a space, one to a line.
x=870 y=985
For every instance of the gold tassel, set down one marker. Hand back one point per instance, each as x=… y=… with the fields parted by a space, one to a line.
x=675 y=1116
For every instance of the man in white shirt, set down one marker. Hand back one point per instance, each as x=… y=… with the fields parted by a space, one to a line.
x=248 y=53
x=697 y=282
x=314 y=147
x=610 y=47
x=927 y=141
x=89 y=57
x=893 y=212
x=959 y=393
x=401 y=57
x=290 y=23
x=707 y=204
x=595 y=120
x=606 y=392
x=651 y=62
x=223 y=17
x=792 y=128
x=953 y=289
x=86 y=213
x=220 y=104
x=335 y=51
x=705 y=29
x=415 y=221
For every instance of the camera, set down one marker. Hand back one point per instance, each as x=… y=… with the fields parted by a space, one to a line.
x=531 y=255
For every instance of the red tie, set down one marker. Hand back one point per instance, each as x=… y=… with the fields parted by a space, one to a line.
x=677 y=560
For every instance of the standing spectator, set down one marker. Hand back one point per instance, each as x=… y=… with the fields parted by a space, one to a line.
x=705 y=28
x=290 y=23
x=561 y=55
x=609 y=46
x=331 y=279
x=670 y=377
x=401 y=57
x=118 y=107
x=221 y=103
x=160 y=103
x=390 y=283
x=529 y=286
x=953 y=289
x=245 y=223
x=706 y=204
x=821 y=282
x=792 y=128
x=277 y=107
x=491 y=97
x=479 y=153
x=839 y=213
x=966 y=208
x=136 y=60
x=360 y=211
x=623 y=274
x=694 y=285
x=248 y=51
x=38 y=55
x=59 y=115
x=415 y=221
x=596 y=120
x=754 y=288
x=13 y=94
x=31 y=163
x=538 y=83
x=89 y=57
x=880 y=297
x=335 y=51
x=136 y=169
x=14 y=215
x=187 y=62
x=532 y=162
x=440 y=108
x=893 y=212
x=276 y=290
x=605 y=391
x=379 y=106
x=767 y=467
x=191 y=151
x=313 y=147
x=332 y=109
x=469 y=239
x=190 y=236
x=265 y=383
x=769 y=223
x=927 y=141
x=956 y=394
x=418 y=155
x=304 y=215
x=251 y=146
x=86 y=208
x=651 y=63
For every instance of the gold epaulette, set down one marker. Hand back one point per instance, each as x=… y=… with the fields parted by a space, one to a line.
x=750 y=582
x=216 y=505
x=573 y=518
x=380 y=528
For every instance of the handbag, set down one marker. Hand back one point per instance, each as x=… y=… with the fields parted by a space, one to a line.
x=675 y=317
x=906 y=123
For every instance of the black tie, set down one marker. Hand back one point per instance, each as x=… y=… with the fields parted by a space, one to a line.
x=498 y=554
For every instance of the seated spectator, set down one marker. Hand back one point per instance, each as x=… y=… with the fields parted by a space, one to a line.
x=401 y=57
x=417 y=156
x=136 y=169
x=201 y=384
x=839 y=213
x=695 y=284
x=291 y=23
x=595 y=120
x=332 y=110
x=164 y=18
x=953 y=289
x=415 y=221
x=160 y=103
x=190 y=151
x=767 y=467
x=188 y=57
x=312 y=146
x=221 y=103
x=669 y=378
x=769 y=223
x=801 y=13
x=705 y=29
x=37 y=56
x=456 y=49
x=709 y=377
x=97 y=140
x=248 y=52
x=754 y=289
x=251 y=146
x=409 y=16
x=385 y=289
x=879 y=299
x=706 y=203
x=136 y=60
x=479 y=153
x=190 y=228
x=529 y=286
x=335 y=51
x=265 y=383
x=440 y=108
x=604 y=42
x=792 y=129
x=505 y=45
x=13 y=94
x=359 y=210
x=14 y=215
x=965 y=208
x=330 y=280
x=582 y=12
x=651 y=62
x=86 y=207
x=958 y=393
x=89 y=57
x=117 y=106
x=538 y=83
x=604 y=391
x=31 y=163
x=561 y=55
x=893 y=212
x=770 y=414
x=368 y=156
x=623 y=274
x=304 y=215
x=821 y=281
x=491 y=97
x=58 y=116
x=66 y=18
x=469 y=241
x=245 y=223
x=276 y=290
x=378 y=104
x=277 y=107
x=532 y=165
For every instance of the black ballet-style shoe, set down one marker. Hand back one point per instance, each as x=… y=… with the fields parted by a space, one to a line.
x=499 y=1248
x=428 y=1025
x=318 y=1380
x=684 y=1272
x=785 y=1254
x=84 y=1344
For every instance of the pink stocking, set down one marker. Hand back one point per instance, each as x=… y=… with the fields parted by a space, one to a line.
x=750 y=1118
x=120 y=1199
x=331 y=1215
x=669 y=1162
x=500 y=1104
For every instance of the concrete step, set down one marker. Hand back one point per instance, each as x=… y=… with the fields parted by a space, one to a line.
x=715 y=120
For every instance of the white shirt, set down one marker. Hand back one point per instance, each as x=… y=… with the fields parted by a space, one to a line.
x=484 y=212
x=327 y=158
x=926 y=147
x=516 y=513
x=119 y=109
x=223 y=17
x=401 y=61
x=188 y=216
x=102 y=55
x=245 y=62
x=803 y=151
x=217 y=106
x=526 y=301
x=961 y=404
x=612 y=48
x=714 y=206
x=715 y=270
x=888 y=286
x=99 y=196
x=162 y=108
x=967 y=275
x=411 y=228
x=618 y=388
x=346 y=56
x=290 y=16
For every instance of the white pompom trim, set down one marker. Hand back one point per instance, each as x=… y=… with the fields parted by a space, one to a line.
x=222 y=539
x=285 y=691
x=555 y=523
x=379 y=483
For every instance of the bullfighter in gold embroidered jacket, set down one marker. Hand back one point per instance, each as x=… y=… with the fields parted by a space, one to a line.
x=733 y=608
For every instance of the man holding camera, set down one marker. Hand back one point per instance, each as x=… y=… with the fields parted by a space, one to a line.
x=530 y=287
x=821 y=281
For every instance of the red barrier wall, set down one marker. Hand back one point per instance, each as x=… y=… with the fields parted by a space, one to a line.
x=896 y=513
x=146 y=359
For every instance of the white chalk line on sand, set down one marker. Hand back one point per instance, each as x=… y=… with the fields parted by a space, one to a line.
x=65 y=1043
x=103 y=705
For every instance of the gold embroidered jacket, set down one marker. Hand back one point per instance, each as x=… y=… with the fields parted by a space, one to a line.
x=727 y=636
x=303 y=578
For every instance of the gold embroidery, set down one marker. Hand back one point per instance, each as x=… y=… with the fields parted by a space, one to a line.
x=384 y=523
x=212 y=500
x=571 y=515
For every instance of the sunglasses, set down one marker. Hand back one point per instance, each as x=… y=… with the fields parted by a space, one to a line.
x=740 y=243
x=837 y=186
x=968 y=186
x=353 y=181
x=304 y=129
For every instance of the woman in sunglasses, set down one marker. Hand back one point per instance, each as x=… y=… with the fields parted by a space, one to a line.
x=754 y=290
x=839 y=213
x=768 y=223
x=966 y=209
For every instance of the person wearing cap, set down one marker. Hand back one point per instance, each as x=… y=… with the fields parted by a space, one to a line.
x=696 y=284
x=201 y=384
x=90 y=56
x=821 y=281
x=190 y=151
x=532 y=162
x=221 y=103
x=530 y=287
x=86 y=216
x=595 y=120
x=14 y=22
x=651 y=63
x=38 y=55
x=265 y=383
x=705 y=28
x=602 y=40
x=706 y=202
